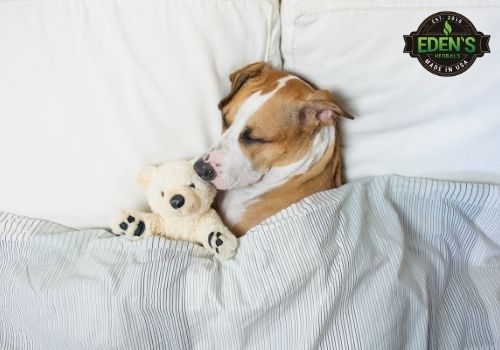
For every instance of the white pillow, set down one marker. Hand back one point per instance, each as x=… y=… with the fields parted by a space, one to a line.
x=409 y=121
x=92 y=91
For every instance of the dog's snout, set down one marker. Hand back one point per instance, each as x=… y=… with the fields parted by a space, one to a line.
x=177 y=201
x=204 y=170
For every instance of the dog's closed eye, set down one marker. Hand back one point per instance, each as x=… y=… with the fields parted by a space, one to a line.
x=247 y=138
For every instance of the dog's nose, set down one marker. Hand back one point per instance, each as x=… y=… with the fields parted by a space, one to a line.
x=204 y=170
x=177 y=201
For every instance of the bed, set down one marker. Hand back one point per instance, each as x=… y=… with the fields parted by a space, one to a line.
x=406 y=255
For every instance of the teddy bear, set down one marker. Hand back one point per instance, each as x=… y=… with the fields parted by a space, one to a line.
x=181 y=204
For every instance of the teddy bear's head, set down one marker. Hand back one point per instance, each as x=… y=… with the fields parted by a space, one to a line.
x=174 y=189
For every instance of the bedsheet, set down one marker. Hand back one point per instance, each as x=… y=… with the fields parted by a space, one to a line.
x=383 y=263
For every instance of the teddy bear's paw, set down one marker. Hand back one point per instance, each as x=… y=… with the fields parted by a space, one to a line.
x=223 y=244
x=130 y=225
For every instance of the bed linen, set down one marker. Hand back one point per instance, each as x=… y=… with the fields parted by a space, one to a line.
x=389 y=262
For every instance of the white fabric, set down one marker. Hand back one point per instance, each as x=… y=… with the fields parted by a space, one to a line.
x=409 y=121
x=91 y=91
x=385 y=263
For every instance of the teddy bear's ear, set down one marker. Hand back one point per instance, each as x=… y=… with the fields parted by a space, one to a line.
x=146 y=176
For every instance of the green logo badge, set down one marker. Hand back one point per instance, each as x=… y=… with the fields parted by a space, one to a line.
x=446 y=44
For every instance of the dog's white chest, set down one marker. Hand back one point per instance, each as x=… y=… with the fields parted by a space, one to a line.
x=233 y=205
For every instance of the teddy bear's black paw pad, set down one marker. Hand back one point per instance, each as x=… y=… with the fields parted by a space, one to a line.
x=218 y=241
x=130 y=219
x=140 y=229
x=124 y=226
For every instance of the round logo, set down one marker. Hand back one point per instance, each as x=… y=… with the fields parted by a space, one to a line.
x=446 y=44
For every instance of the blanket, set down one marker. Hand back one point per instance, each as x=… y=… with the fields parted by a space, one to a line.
x=384 y=263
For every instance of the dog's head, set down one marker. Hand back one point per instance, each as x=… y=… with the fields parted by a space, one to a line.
x=269 y=123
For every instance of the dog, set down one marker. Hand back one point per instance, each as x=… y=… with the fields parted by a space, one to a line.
x=280 y=143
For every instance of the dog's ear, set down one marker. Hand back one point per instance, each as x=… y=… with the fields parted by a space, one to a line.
x=321 y=109
x=240 y=77
x=146 y=176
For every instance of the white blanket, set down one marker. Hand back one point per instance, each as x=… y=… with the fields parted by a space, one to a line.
x=385 y=263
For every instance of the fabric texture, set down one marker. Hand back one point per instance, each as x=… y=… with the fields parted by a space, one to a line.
x=385 y=263
x=408 y=121
x=92 y=91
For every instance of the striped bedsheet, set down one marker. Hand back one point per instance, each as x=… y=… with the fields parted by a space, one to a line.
x=385 y=263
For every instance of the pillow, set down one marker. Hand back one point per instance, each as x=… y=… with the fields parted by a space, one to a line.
x=92 y=91
x=409 y=121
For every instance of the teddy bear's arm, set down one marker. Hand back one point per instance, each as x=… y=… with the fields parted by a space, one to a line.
x=153 y=223
x=136 y=225
x=215 y=236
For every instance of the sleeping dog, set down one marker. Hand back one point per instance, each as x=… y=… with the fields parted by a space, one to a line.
x=279 y=144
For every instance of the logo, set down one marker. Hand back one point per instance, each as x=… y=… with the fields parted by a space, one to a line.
x=446 y=44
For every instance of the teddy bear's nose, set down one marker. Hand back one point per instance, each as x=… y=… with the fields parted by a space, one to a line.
x=204 y=170
x=177 y=201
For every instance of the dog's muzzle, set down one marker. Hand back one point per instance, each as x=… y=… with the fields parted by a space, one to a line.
x=204 y=170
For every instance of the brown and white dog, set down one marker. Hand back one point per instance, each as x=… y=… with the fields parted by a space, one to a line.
x=279 y=144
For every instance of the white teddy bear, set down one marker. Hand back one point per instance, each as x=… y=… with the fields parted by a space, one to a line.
x=181 y=204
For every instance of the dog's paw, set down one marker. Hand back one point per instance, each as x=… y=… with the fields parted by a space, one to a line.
x=131 y=225
x=223 y=244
